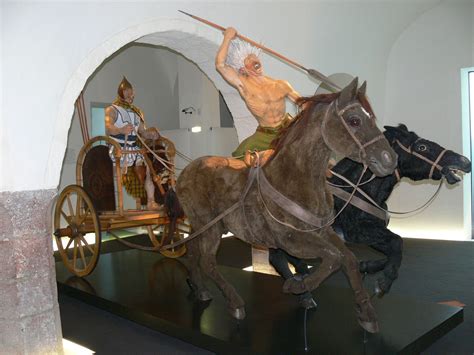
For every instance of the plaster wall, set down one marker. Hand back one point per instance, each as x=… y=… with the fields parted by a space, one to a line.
x=423 y=90
x=50 y=49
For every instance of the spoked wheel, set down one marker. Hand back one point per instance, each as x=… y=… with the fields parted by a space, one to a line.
x=75 y=219
x=160 y=234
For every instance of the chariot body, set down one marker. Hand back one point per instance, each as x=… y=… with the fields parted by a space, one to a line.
x=94 y=206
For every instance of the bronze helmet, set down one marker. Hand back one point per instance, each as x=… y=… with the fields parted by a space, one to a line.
x=124 y=85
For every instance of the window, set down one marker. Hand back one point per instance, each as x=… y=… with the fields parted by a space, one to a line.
x=98 y=119
x=467 y=91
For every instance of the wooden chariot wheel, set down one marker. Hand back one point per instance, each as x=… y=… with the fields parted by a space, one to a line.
x=159 y=235
x=74 y=217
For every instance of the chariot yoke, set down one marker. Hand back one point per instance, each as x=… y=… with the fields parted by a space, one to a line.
x=95 y=204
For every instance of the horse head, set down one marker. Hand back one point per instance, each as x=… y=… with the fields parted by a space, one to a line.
x=419 y=158
x=349 y=129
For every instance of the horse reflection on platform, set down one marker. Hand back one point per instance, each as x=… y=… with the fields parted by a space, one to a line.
x=150 y=290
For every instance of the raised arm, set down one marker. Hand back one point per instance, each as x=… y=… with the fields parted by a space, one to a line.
x=228 y=73
x=293 y=95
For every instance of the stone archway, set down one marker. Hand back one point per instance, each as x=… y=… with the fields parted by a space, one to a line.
x=194 y=41
x=30 y=321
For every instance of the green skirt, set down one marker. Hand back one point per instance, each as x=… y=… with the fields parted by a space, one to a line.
x=261 y=139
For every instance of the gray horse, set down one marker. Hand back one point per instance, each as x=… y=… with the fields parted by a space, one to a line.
x=286 y=203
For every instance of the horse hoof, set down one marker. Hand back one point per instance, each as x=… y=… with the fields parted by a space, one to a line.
x=204 y=296
x=238 y=313
x=294 y=285
x=371 y=327
x=308 y=303
x=382 y=287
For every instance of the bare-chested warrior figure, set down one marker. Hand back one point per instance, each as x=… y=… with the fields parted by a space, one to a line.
x=238 y=63
x=122 y=122
x=265 y=97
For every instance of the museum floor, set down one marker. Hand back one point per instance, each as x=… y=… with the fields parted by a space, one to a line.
x=432 y=271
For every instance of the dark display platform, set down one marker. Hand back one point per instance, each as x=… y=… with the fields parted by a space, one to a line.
x=151 y=290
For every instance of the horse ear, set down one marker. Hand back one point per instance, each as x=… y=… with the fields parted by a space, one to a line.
x=402 y=127
x=348 y=93
x=391 y=133
x=363 y=88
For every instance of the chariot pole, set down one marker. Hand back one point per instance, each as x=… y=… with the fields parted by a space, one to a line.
x=312 y=72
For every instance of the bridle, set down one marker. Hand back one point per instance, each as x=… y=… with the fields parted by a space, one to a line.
x=340 y=113
x=262 y=183
x=286 y=204
x=434 y=164
x=373 y=208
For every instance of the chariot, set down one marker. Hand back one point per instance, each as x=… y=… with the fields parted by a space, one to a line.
x=95 y=204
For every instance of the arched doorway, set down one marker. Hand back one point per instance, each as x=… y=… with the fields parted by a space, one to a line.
x=196 y=43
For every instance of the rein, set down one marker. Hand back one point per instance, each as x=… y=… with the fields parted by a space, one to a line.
x=240 y=202
x=282 y=201
x=373 y=207
x=289 y=206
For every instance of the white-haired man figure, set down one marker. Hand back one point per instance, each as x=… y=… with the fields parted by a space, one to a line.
x=265 y=97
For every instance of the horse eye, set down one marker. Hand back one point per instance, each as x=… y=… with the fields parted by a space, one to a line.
x=421 y=148
x=354 y=121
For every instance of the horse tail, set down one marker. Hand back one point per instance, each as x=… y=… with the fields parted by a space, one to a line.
x=174 y=211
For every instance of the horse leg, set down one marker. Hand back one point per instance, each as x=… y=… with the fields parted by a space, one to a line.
x=279 y=259
x=367 y=233
x=372 y=266
x=192 y=262
x=306 y=246
x=366 y=315
x=390 y=244
x=385 y=241
x=209 y=244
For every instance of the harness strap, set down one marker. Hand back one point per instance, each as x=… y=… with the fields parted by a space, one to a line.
x=397 y=175
x=231 y=209
x=359 y=190
x=339 y=113
x=359 y=203
x=434 y=164
x=379 y=137
x=364 y=194
x=290 y=206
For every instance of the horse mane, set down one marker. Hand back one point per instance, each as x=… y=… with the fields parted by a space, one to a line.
x=400 y=133
x=307 y=104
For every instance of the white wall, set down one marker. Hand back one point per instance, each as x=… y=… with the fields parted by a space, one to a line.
x=423 y=90
x=46 y=42
x=50 y=49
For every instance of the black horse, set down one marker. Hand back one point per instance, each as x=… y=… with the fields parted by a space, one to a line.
x=418 y=159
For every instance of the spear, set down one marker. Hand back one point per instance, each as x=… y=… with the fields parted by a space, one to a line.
x=312 y=72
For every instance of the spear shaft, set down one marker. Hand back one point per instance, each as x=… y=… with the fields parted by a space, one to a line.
x=312 y=72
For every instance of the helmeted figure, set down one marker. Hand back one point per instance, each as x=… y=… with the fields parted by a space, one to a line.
x=123 y=121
